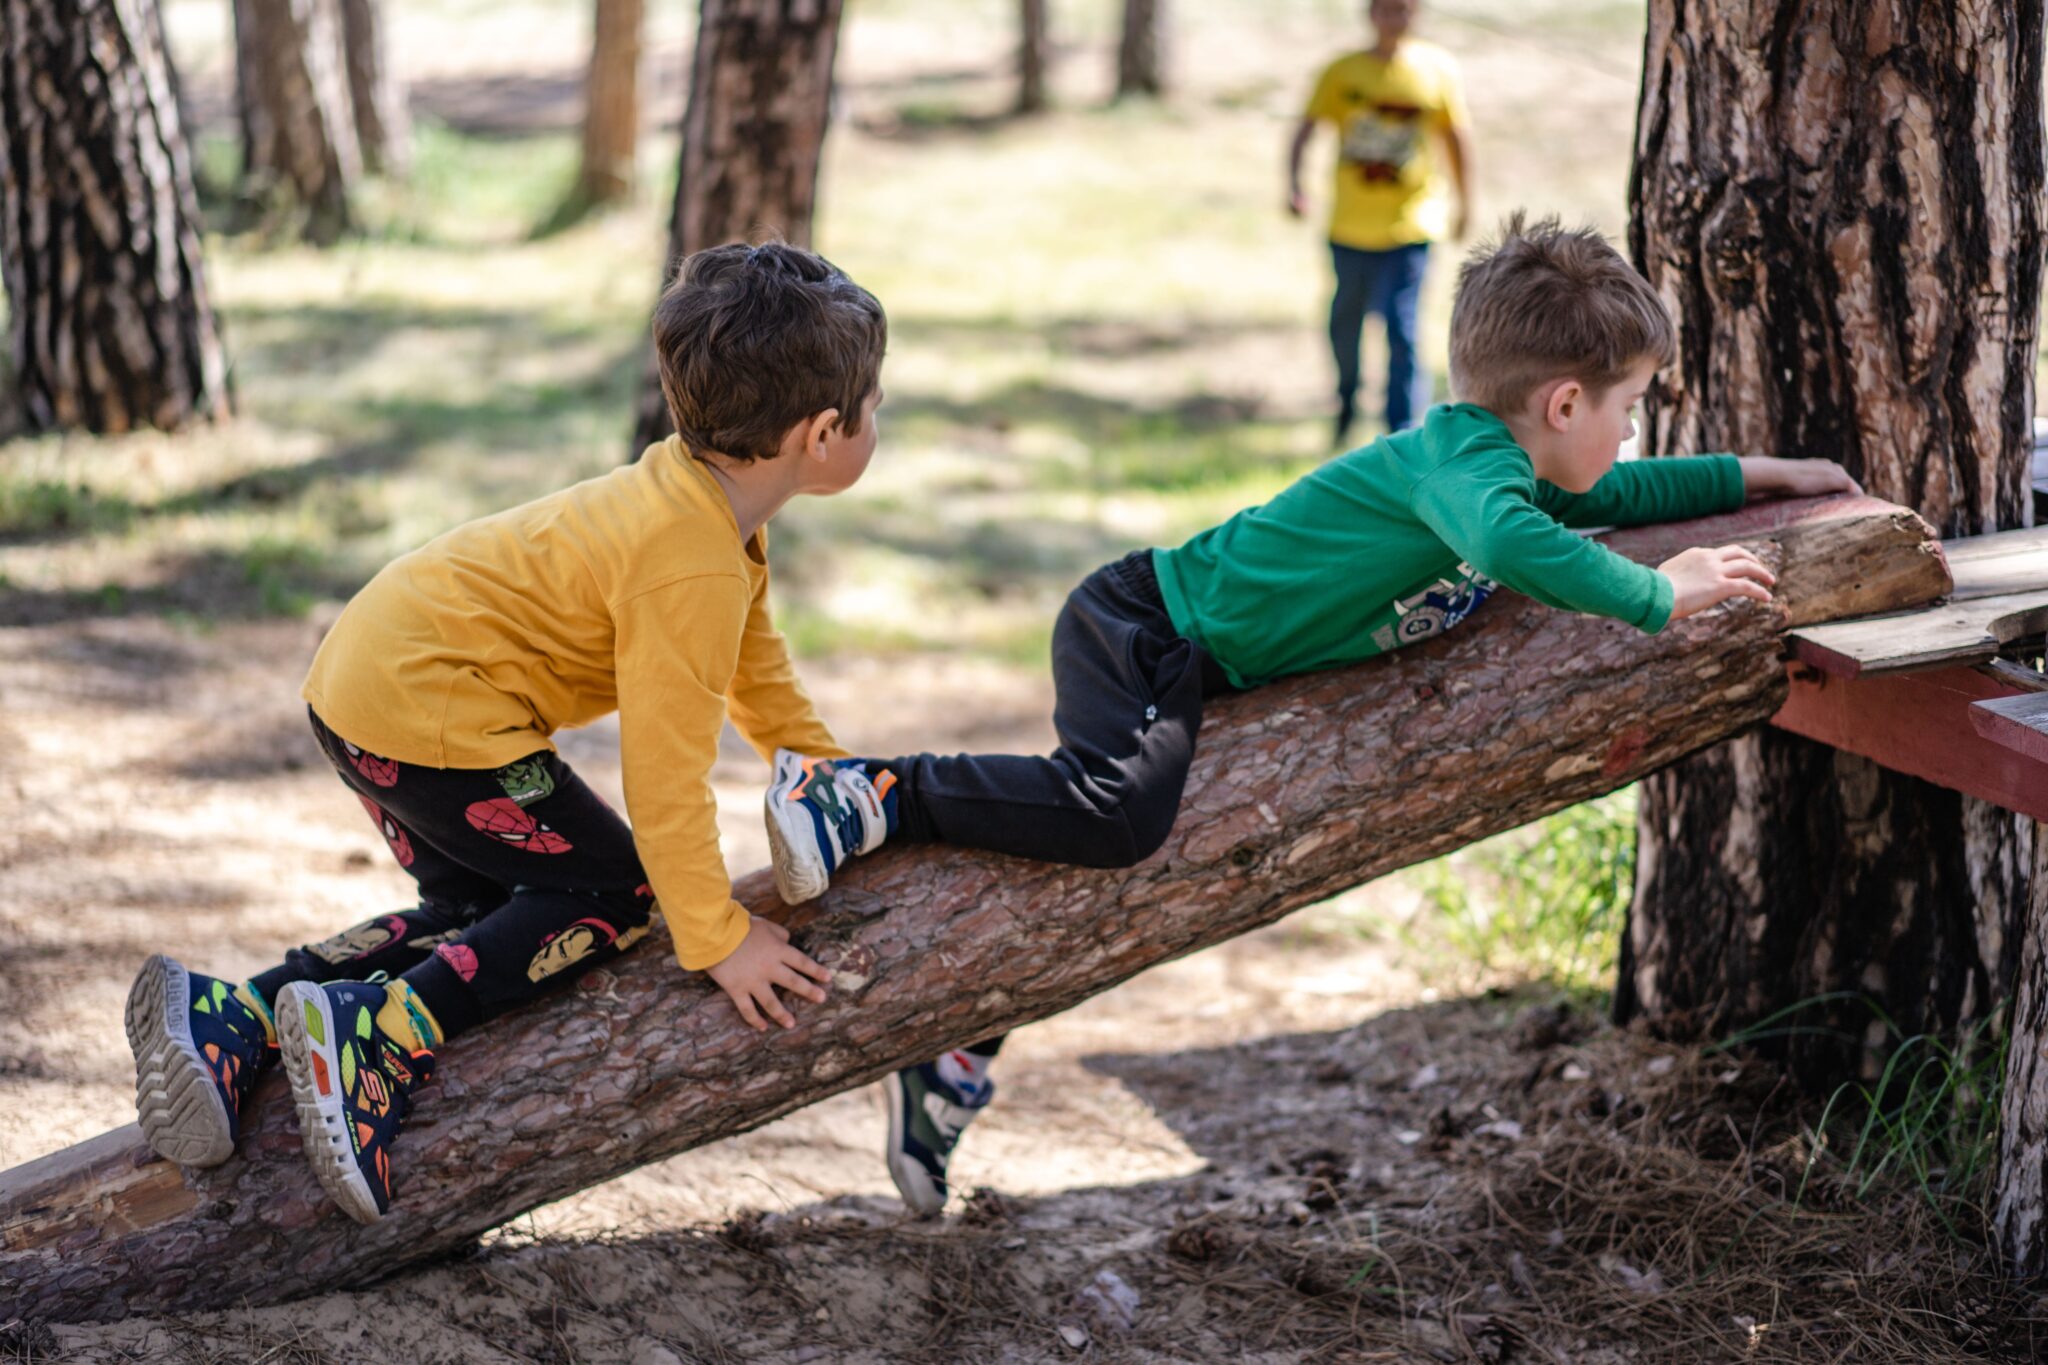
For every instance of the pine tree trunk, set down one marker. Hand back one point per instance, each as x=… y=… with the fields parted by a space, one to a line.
x=376 y=93
x=1032 y=38
x=753 y=134
x=1841 y=203
x=611 y=105
x=1299 y=790
x=2020 y=1208
x=301 y=155
x=1137 y=54
x=109 y=318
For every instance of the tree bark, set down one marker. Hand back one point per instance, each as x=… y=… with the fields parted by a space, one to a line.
x=753 y=135
x=1299 y=790
x=611 y=105
x=2020 y=1207
x=1032 y=39
x=377 y=95
x=300 y=152
x=1841 y=204
x=1138 y=64
x=110 y=322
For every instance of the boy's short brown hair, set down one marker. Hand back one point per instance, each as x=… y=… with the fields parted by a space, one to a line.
x=751 y=340
x=1544 y=302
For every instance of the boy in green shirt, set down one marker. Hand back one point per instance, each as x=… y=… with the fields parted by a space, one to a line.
x=1554 y=339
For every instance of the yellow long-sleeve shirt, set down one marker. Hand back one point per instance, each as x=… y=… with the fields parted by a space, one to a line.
x=630 y=592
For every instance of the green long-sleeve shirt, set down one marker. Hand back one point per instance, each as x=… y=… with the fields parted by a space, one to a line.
x=1401 y=539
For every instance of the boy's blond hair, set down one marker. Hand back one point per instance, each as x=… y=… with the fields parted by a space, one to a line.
x=1543 y=302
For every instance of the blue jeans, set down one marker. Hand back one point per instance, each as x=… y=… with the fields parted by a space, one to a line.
x=1388 y=283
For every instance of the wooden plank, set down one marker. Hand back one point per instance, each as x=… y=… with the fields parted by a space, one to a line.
x=1954 y=633
x=1920 y=724
x=2000 y=564
x=2017 y=723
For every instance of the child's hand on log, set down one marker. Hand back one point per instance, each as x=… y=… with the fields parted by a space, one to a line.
x=763 y=961
x=1704 y=576
x=1766 y=476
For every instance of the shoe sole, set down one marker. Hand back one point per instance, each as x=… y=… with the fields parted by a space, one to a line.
x=913 y=1181
x=315 y=1071
x=800 y=873
x=177 y=1100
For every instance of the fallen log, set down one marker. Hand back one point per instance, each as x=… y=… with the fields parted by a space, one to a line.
x=1299 y=791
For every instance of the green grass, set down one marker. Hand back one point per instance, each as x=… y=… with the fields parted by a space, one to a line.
x=1546 y=901
x=1930 y=1118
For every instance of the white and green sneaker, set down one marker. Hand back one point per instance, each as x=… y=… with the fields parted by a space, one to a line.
x=926 y=1118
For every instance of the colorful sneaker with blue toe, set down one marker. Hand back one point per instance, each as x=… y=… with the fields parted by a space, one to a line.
x=198 y=1049
x=820 y=812
x=926 y=1118
x=352 y=1083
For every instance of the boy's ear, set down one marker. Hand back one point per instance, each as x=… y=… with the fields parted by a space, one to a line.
x=1563 y=404
x=817 y=428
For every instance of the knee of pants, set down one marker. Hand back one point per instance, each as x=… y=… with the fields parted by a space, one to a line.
x=1127 y=833
x=626 y=908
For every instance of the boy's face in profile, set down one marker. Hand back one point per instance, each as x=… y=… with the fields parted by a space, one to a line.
x=847 y=457
x=1594 y=429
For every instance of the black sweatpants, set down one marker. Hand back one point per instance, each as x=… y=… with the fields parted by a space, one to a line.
x=527 y=879
x=1128 y=693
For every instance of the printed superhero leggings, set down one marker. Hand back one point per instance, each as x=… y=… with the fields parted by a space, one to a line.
x=527 y=879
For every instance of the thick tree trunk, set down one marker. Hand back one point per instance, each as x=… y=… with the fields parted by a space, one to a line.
x=2021 y=1207
x=753 y=134
x=376 y=93
x=1299 y=790
x=1138 y=63
x=1032 y=39
x=299 y=142
x=1841 y=202
x=611 y=105
x=109 y=320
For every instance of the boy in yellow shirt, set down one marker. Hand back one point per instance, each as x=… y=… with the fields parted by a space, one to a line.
x=1391 y=105
x=437 y=691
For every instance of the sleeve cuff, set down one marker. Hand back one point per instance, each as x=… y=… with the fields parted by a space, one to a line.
x=1662 y=599
x=1728 y=475
x=698 y=948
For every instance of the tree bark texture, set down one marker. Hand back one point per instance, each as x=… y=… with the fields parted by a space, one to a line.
x=1840 y=202
x=2020 y=1209
x=110 y=322
x=1138 y=61
x=301 y=153
x=753 y=135
x=1299 y=790
x=377 y=95
x=1033 y=36
x=611 y=104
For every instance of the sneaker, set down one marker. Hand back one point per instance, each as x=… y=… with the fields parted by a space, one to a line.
x=352 y=1084
x=926 y=1118
x=198 y=1050
x=820 y=813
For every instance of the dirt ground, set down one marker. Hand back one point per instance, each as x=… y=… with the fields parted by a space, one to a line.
x=1302 y=1145
x=1285 y=1148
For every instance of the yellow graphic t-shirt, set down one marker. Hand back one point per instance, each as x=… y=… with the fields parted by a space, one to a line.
x=1387 y=115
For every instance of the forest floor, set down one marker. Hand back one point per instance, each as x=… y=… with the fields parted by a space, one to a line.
x=1348 y=1137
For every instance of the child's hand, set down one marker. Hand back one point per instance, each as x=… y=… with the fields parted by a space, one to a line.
x=763 y=961
x=1703 y=576
x=1765 y=476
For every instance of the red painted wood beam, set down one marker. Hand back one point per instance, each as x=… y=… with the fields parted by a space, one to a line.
x=1929 y=725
